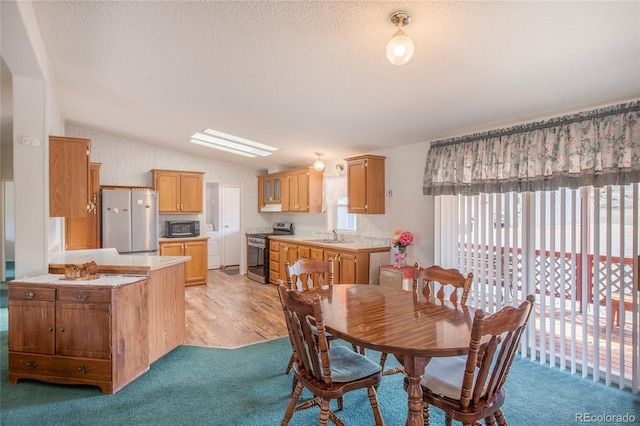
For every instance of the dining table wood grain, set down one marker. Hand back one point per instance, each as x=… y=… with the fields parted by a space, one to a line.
x=407 y=325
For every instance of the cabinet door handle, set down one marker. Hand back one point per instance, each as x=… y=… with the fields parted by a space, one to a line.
x=178 y=207
x=30 y=295
x=83 y=369
x=50 y=328
x=83 y=297
x=32 y=364
x=61 y=330
x=181 y=207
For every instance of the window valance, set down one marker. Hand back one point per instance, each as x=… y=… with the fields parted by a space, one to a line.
x=593 y=148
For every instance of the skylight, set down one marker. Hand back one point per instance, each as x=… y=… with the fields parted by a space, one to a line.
x=229 y=143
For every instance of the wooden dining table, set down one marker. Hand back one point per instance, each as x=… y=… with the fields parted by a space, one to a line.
x=410 y=327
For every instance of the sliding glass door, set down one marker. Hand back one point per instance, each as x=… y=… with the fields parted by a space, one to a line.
x=576 y=250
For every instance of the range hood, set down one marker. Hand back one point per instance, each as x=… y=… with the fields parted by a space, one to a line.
x=270 y=208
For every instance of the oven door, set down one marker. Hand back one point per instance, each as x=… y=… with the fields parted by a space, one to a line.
x=256 y=267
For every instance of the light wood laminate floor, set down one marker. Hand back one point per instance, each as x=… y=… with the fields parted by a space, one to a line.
x=232 y=311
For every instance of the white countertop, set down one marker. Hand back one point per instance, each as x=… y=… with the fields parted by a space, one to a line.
x=346 y=245
x=109 y=257
x=104 y=280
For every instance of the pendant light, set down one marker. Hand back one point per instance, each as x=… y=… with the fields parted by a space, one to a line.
x=319 y=164
x=400 y=47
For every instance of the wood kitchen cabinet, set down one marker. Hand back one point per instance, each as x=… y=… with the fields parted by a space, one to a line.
x=196 y=269
x=83 y=233
x=78 y=334
x=69 y=176
x=280 y=252
x=351 y=262
x=305 y=190
x=274 y=262
x=298 y=190
x=178 y=191
x=270 y=192
x=366 y=184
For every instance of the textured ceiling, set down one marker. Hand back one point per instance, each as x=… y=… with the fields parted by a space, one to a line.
x=313 y=77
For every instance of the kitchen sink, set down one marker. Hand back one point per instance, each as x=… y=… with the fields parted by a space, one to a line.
x=325 y=241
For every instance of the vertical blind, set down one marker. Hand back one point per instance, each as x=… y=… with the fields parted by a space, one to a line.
x=576 y=251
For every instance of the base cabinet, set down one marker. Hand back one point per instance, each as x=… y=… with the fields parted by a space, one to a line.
x=78 y=334
x=196 y=269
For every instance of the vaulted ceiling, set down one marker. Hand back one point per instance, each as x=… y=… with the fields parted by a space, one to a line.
x=313 y=76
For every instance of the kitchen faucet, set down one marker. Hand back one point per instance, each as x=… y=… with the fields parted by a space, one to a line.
x=335 y=235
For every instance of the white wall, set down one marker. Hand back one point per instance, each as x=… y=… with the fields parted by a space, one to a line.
x=410 y=209
x=23 y=52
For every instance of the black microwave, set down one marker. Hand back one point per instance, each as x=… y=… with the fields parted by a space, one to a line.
x=182 y=228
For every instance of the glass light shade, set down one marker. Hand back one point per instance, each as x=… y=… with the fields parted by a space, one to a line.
x=319 y=165
x=399 y=48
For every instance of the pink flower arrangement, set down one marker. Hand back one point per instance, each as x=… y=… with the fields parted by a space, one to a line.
x=401 y=239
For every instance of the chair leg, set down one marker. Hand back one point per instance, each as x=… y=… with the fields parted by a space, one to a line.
x=383 y=359
x=425 y=414
x=292 y=358
x=490 y=421
x=292 y=405
x=335 y=419
x=324 y=412
x=340 y=403
x=373 y=400
x=500 y=418
x=447 y=419
x=394 y=370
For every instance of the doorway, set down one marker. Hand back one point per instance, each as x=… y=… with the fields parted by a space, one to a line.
x=223 y=224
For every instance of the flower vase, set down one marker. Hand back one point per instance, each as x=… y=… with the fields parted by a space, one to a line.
x=400 y=259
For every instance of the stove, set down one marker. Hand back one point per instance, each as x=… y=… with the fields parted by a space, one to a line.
x=258 y=251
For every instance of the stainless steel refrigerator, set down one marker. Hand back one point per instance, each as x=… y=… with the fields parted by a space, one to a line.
x=129 y=220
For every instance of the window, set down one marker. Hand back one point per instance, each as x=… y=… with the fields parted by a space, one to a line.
x=346 y=221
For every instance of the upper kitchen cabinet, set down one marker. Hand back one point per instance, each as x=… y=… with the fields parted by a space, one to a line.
x=178 y=191
x=297 y=190
x=69 y=176
x=365 y=184
x=305 y=190
x=84 y=232
x=270 y=192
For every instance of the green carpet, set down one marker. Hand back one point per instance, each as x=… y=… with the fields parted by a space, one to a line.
x=246 y=386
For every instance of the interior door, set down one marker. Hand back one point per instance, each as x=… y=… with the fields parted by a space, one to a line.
x=230 y=229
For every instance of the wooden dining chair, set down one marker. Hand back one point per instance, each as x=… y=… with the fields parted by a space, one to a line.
x=308 y=275
x=471 y=389
x=328 y=373
x=446 y=284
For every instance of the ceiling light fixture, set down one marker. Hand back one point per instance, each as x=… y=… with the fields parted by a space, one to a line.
x=229 y=143
x=400 y=47
x=319 y=164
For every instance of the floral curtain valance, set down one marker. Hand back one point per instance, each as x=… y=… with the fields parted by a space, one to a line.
x=593 y=148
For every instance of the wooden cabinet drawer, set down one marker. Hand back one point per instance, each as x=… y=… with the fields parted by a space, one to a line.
x=58 y=369
x=32 y=293
x=317 y=254
x=84 y=295
x=274 y=256
x=304 y=252
x=274 y=266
